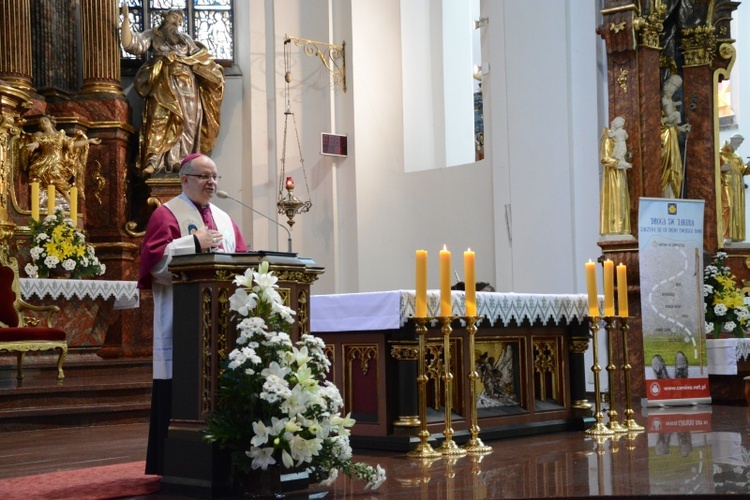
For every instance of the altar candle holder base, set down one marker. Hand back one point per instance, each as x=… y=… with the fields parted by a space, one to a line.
x=474 y=446
x=449 y=447
x=616 y=427
x=423 y=449
x=630 y=424
x=599 y=429
x=613 y=424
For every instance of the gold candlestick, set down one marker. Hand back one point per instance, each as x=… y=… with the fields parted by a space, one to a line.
x=599 y=429
x=449 y=447
x=474 y=446
x=630 y=424
x=613 y=425
x=423 y=449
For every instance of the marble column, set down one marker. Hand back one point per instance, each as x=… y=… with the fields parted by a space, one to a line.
x=15 y=44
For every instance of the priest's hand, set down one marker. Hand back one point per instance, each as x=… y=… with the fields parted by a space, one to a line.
x=208 y=238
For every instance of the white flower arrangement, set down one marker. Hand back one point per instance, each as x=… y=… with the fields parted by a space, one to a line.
x=723 y=303
x=274 y=404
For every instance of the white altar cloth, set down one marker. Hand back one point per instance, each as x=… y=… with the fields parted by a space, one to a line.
x=391 y=310
x=125 y=293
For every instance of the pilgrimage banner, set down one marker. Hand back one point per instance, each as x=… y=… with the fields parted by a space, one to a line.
x=670 y=244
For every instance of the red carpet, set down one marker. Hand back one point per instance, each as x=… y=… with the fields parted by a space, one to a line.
x=95 y=483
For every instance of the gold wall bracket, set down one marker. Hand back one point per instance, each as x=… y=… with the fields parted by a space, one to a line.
x=332 y=56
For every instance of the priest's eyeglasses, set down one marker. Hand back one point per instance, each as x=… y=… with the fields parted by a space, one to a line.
x=205 y=177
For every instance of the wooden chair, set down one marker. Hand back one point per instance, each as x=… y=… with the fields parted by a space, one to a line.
x=19 y=332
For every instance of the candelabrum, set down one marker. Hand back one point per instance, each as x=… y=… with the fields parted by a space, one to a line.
x=449 y=447
x=630 y=424
x=423 y=449
x=599 y=429
x=613 y=425
x=475 y=445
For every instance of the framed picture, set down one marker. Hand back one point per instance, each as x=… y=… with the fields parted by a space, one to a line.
x=333 y=145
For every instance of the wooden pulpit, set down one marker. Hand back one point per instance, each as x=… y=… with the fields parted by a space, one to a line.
x=204 y=332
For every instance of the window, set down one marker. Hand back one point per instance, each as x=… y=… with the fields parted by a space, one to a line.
x=209 y=21
x=441 y=72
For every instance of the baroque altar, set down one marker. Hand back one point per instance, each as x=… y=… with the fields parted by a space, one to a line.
x=528 y=353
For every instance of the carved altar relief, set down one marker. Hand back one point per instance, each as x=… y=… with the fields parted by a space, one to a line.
x=500 y=381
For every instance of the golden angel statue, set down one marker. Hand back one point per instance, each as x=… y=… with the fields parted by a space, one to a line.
x=615 y=199
x=54 y=158
x=183 y=88
x=733 y=172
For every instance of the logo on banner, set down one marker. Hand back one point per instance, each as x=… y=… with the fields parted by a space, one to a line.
x=655 y=389
x=672 y=208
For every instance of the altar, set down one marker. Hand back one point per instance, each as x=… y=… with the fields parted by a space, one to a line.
x=88 y=307
x=528 y=355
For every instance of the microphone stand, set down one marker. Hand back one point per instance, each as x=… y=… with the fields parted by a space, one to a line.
x=224 y=195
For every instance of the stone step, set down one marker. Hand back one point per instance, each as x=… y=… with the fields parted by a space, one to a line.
x=93 y=393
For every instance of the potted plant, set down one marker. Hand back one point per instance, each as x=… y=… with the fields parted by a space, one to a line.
x=59 y=249
x=275 y=408
x=726 y=316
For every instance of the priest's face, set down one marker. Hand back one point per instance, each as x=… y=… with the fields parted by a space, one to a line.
x=200 y=182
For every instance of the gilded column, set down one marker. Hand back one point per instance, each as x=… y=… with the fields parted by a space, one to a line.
x=101 y=47
x=15 y=43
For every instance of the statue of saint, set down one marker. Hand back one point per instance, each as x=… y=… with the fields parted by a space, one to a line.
x=733 y=172
x=615 y=209
x=183 y=88
x=671 y=157
x=56 y=159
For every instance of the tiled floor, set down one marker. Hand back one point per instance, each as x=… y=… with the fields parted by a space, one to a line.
x=689 y=451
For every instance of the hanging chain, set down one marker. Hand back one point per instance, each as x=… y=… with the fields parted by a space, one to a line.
x=287 y=78
x=287 y=112
x=301 y=160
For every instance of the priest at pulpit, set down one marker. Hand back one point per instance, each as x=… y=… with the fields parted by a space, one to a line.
x=186 y=224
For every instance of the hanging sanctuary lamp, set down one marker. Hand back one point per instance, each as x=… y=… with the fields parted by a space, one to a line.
x=288 y=204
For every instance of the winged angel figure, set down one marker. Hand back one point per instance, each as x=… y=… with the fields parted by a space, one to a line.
x=53 y=158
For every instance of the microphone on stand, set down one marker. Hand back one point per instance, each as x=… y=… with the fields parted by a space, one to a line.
x=224 y=195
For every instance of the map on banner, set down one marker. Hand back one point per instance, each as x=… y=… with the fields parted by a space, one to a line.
x=671 y=270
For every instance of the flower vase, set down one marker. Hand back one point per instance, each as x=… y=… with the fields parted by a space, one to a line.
x=60 y=273
x=261 y=483
x=722 y=356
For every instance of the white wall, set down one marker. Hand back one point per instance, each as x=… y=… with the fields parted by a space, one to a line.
x=401 y=212
x=370 y=213
x=543 y=142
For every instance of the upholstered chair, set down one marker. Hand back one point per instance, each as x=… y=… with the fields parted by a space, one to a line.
x=21 y=332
